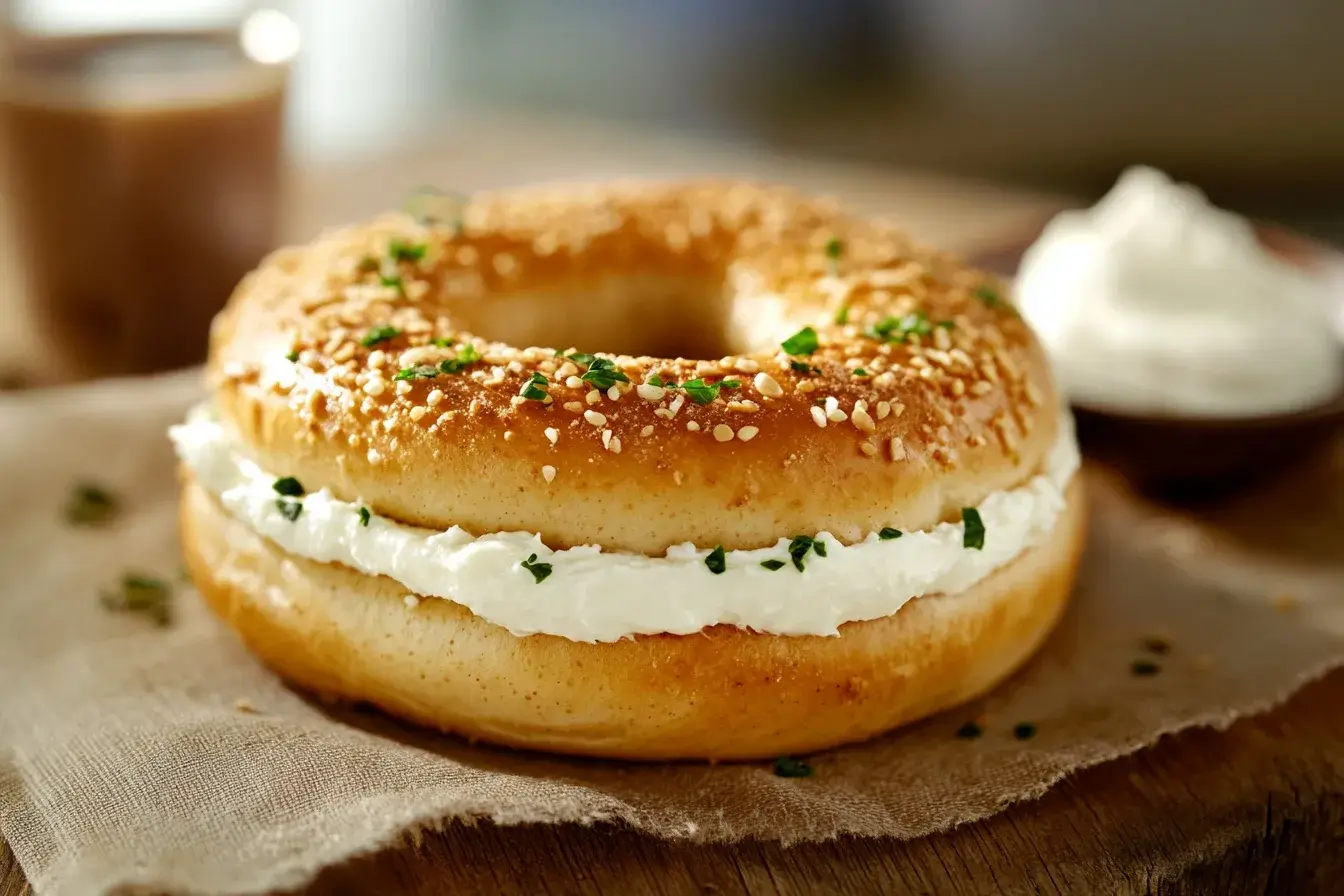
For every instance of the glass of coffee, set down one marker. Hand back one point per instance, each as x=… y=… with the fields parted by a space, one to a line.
x=143 y=150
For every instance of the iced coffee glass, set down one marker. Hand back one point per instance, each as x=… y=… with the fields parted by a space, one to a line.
x=143 y=151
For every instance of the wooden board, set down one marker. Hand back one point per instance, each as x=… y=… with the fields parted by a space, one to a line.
x=1257 y=809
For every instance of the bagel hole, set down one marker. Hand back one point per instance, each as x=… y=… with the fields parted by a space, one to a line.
x=661 y=317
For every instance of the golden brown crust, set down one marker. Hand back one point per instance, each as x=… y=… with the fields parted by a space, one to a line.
x=725 y=693
x=933 y=423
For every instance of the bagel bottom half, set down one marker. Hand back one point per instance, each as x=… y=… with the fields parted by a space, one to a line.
x=724 y=693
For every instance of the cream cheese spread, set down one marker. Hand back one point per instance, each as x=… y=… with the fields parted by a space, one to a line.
x=597 y=595
x=1155 y=301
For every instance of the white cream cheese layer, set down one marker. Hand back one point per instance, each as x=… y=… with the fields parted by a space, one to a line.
x=596 y=595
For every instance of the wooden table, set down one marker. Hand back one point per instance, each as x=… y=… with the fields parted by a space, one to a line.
x=1257 y=809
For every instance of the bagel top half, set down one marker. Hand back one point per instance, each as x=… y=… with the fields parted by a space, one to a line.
x=635 y=366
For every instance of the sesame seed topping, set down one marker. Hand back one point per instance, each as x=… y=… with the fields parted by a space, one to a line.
x=573 y=406
x=747 y=433
x=862 y=420
x=818 y=416
x=868 y=448
x=650 y=393
x=647 y=430
x=615 y=446
x=896 y=448
x=417 y=413
x=723 y=432
x=552 y=434
x=433 y=398
x=377 y=358
x=567 y=370
x=614 y=393
x=403 y=387
x=375 y=387
x=606 y=438
x=833 y=412
x=767 y=385
x=548 y=473
x=593 y=396
x=573 y=382
x=883 y=409
x=692 y=426
x=595 y=418
x=676 y=404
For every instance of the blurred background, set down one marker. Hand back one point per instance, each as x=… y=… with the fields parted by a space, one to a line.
x=998 y=109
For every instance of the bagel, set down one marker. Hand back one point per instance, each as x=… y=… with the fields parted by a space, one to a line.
x=704 y=470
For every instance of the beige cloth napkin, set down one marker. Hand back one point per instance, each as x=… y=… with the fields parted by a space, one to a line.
x=125 y=757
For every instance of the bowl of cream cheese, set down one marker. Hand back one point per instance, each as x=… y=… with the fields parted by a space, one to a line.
x=1197 y=348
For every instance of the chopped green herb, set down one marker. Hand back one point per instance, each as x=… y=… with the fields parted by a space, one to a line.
x=946 y=324
x=90 y=505
x=539 y=570
x=975 y=529
x=989 y=296
x=804 y=342
x=139 y=593
x=799 y=545
x=364 y=517
x=730 y=384
x=700 y=391
x=583 y=359
x=803 y=368
x=859 y=371
x=392 y=280
x=400 y=250
x=842 y=316
x=1024 y=731
x=819 y=547
x=289 y=508
x=899 y=329
x=1157 y=644
x=716 y=561
x=1144 y=668
x=368 y=264
x=441 y=342
x=602 y=374
x=834 y=250
x=888 y=533
x=773 y=565
x=423 y=371
x=379 y=335
x=970 y=731
x=466 y=356
x=534 y=388
x=288 y=485
x=788 y=767
x=292 y=357
x=656 y=380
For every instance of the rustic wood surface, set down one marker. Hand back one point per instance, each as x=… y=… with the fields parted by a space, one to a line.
x=1256 y=809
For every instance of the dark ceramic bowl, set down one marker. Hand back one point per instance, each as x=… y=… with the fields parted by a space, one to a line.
x=1194 y=456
